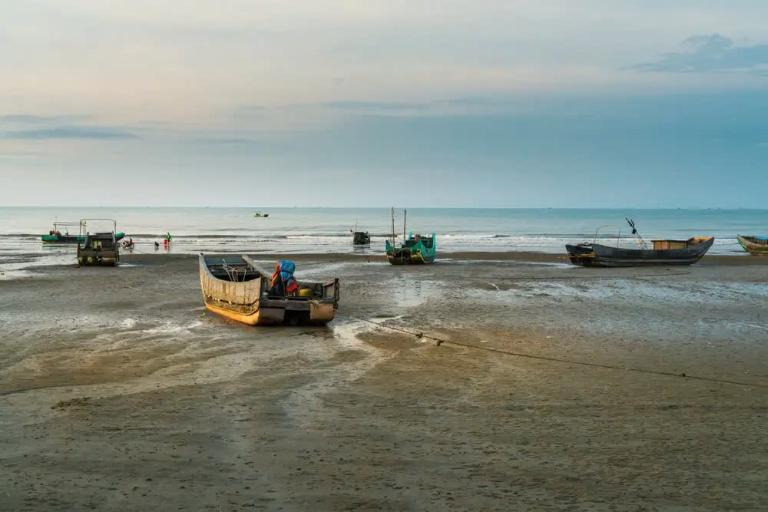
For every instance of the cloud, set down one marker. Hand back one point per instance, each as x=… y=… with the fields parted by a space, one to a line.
x=708 y=53
x=226 y=141
x=34 y=120
x=37 y=127
x=68 y=132
x=376 y=107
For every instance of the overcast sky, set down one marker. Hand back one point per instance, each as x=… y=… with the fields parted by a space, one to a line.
x=557 y=103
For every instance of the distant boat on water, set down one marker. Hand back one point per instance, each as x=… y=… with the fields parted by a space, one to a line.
x=361 y=238
x=664 y=252
x=259 y=215
x=754 y=245
x=55 y=235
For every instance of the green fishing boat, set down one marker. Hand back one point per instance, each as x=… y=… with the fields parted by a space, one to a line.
x=416 y=249
x=60 y=234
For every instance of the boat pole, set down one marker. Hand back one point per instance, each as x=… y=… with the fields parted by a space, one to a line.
x=393 y=227
x=405 y=216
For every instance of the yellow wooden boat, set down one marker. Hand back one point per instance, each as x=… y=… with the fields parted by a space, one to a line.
x=236 y=288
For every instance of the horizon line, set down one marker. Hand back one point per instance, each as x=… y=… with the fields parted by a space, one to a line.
x=699 y=208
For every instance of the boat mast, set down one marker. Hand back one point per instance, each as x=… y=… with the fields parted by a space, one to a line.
x=393 y=226
x=405 y=216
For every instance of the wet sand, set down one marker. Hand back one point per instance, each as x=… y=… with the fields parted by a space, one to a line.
x=557 y=388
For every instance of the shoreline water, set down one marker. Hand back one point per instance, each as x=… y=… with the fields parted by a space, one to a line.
x=327 y=230
x=25 y=265
x=296 y=232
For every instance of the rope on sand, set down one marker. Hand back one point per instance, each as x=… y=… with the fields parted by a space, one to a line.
x=442 y=341
x=589 y=278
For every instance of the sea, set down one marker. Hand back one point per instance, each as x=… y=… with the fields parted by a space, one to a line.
x=328 y=230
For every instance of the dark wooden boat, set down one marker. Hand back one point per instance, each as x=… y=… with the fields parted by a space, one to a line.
x=100 y=248
x=664 y=252
x=754 y=245
x=236 y=288
x=361 y=238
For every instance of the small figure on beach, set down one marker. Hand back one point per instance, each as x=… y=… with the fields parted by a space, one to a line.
x=157 y=245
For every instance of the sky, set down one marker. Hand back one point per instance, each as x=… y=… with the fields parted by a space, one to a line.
x=514 y=103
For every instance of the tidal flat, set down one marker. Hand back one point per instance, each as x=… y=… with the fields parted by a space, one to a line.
x=488 y=381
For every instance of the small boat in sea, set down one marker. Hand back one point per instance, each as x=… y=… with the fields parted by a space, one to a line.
x=235 y=287
x=99 y=248
x=415 y=249
x=55 y=235
x=755 y=245
x=361 y=238
x=260 y=215
x=664 y=252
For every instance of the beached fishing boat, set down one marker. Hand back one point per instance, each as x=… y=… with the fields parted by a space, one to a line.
x=754 y=245
x=56 y=236
x=415 y=249
x=99 y=248
x=664 y=252
x=237 y=288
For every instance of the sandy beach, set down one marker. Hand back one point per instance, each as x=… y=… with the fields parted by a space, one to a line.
x=488 y=381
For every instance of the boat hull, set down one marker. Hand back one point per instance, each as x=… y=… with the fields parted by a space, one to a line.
x=409 y=258
x=753 y=246
x=72 y=239
x=597 y=255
